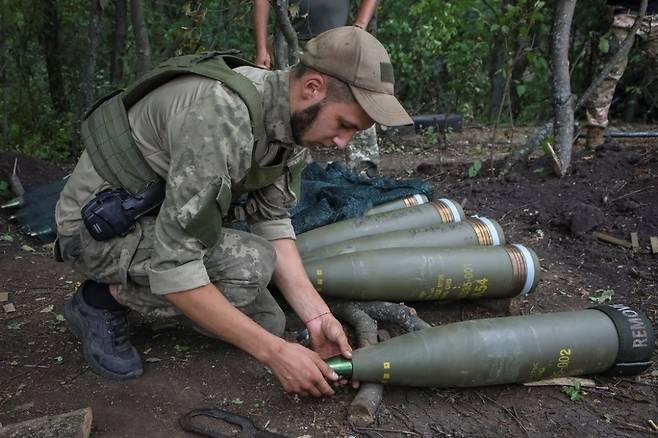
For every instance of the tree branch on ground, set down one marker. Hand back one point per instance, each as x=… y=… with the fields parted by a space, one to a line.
x=363 y=317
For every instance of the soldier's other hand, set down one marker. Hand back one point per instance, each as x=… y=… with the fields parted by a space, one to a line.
x=328 y=338
x=301 y=371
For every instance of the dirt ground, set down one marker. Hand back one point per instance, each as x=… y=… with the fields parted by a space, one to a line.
x=613 y=189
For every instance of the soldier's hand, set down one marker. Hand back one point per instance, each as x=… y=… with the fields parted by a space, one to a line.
x=328 y=338
x=301 y=371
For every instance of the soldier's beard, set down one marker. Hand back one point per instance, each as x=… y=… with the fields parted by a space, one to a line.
x=301 y=121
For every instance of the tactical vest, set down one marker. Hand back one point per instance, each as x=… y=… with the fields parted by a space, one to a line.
x=106 y=132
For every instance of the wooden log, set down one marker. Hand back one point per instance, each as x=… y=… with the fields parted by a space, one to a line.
x=363 y=409
x=654 y=244
x=611 y=239
x=635 y=241
x=75 y=424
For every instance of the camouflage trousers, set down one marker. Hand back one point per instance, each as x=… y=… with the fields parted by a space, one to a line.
x=241 y=276
x=363 y=148
x=599 y=102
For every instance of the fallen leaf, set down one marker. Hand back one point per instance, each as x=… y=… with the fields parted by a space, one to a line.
x=47 y=309
x=4 y=296
x=152 y=359
x=237 y=401
x=15 y=325
x=604 y=297
x=9 y=307
x=28 y=248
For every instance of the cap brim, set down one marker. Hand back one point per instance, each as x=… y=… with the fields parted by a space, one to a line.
x=381 y=107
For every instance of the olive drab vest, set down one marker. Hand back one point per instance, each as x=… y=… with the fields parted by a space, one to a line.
x=107 y=136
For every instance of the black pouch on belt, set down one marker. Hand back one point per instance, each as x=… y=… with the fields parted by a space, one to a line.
x=113 y=212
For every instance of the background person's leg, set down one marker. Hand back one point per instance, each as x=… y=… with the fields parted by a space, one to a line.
x=599 y=102
x=362 y=153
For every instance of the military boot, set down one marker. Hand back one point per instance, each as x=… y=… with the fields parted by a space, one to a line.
x=595 y=136
x=105 y=338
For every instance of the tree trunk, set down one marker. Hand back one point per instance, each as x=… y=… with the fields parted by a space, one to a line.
x=562 y=98
x=119 y=46
x=141 y=37
x=497 y=75
x=372 y=25
x=284 y=36
x=47 y=25
x=535 y=140
x=94 y=36
x=4 y=61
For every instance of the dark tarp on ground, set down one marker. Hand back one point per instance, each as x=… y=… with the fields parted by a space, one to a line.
x=328 y=195
x=334 y=193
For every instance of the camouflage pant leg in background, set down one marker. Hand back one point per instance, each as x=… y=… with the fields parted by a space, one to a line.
x=363 y=148
x=240 y=266
x=599 y=102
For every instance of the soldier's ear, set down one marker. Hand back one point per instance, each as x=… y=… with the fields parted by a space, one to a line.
x=314 y=87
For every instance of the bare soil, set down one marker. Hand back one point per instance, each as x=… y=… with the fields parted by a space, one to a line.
x=613 y=189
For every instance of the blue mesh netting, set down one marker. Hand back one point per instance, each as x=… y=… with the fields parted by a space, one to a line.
x=334 y=193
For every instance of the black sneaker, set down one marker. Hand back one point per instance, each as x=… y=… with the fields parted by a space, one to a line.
x=105 y=339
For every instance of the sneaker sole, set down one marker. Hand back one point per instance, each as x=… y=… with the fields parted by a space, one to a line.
x=76 y=325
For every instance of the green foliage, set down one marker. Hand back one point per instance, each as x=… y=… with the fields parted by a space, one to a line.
x=448 y=56
x=604 y=296
x=430 y=136
x=574 y=392
x=474 y=168
x=604 y=44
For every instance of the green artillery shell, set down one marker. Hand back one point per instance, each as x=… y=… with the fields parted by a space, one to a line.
x=613 y=338
x=397 y=204
x=471 y=232
x=421 y=274
x=436 y=212
x=14 y=203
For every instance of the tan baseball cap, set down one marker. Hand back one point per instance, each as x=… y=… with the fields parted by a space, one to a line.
x=354 y=56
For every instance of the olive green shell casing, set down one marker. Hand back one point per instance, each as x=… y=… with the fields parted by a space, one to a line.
x=436 y=212
x=422 y=274
x=471 y=232
x=407 y=202
x=511 y=349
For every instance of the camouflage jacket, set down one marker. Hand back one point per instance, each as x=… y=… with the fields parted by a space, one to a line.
x=195 y=133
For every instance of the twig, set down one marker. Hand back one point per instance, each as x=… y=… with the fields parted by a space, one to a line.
x=512 y=210
x=15 y=182
x=509 y=412
x=634 y=192
x=379 y=429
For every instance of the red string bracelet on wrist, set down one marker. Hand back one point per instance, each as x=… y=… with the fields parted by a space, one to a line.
x=318 y=316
